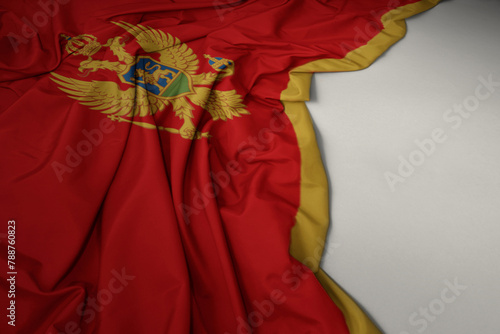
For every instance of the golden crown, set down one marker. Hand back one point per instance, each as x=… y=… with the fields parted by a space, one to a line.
x=85 y=45
x=218 y=63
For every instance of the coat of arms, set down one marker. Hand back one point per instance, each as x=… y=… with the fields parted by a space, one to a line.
x=169 y=79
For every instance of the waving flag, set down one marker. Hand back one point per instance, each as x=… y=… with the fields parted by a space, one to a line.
x=160 y=171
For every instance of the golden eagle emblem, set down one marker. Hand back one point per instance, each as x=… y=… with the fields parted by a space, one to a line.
x=155 y=82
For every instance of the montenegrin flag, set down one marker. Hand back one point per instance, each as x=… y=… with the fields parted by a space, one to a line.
x=159 y=169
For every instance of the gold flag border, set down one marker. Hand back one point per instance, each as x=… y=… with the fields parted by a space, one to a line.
x=312 y=219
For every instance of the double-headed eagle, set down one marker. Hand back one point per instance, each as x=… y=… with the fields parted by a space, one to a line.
x=155 y=83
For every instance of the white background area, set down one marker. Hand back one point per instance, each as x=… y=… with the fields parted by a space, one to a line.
x=393 y=249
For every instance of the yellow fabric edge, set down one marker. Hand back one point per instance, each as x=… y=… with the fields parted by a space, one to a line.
x=309 y=233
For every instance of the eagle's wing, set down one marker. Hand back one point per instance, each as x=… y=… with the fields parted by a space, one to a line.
x=107 y=97
x=172 y=51
x=220 y=104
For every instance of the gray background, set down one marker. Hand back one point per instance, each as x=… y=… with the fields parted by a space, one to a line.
x=393 y=249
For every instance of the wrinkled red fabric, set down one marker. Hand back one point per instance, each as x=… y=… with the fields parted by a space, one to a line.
x=132 y=239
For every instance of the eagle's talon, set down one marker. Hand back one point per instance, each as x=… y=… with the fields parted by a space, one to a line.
x=191 y=133
x=187 y=132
